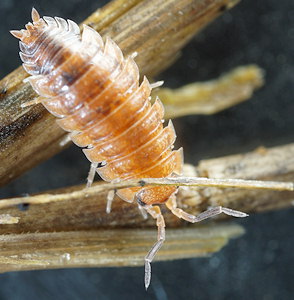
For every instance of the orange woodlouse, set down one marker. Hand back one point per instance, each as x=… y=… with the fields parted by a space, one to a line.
x=96 y=95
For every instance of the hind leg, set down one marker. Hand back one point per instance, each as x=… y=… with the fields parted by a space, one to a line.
x=155 y=212
x=172 y=205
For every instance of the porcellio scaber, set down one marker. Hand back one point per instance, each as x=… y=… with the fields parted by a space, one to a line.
x=96 y=96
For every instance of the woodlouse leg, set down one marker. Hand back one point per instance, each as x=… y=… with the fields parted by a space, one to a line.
x=65 y=140
x=91 y=174
x=172 y=205
x=156 y=84
x=134 y=55
x=143 y=211
x=111 y=194
x=155 y=212
x=110 y=198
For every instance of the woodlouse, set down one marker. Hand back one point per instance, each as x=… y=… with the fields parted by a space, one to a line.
x=96 y=95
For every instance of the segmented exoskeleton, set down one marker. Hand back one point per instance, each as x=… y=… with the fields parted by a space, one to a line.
x=96 y=95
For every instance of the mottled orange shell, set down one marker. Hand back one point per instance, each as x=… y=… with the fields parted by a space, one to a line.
x=96 y=95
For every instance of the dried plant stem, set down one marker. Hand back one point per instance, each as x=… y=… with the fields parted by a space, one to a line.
x=77 y=208
x=221 y=183
x=57 y=245
x=117 y=247
x=212 y=96
x=178 y=181
x=7 y=263
x=8 y=219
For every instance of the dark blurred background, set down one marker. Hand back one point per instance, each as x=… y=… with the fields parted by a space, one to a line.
x=259 y=265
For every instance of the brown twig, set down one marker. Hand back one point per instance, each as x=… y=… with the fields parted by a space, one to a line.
x=8 y=219
x=77 y=208
x=101 y=248
x=212 y=96
x=178 y=181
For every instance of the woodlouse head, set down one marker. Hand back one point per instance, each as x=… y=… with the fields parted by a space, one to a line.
x=32 y=30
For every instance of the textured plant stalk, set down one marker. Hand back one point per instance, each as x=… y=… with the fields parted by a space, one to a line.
x=190 y=182
x=78 y=232
x=275 y=163
x=212 y=96
x=8 y=219
x=79 y=209
x=156 y=30
x=104 y=248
